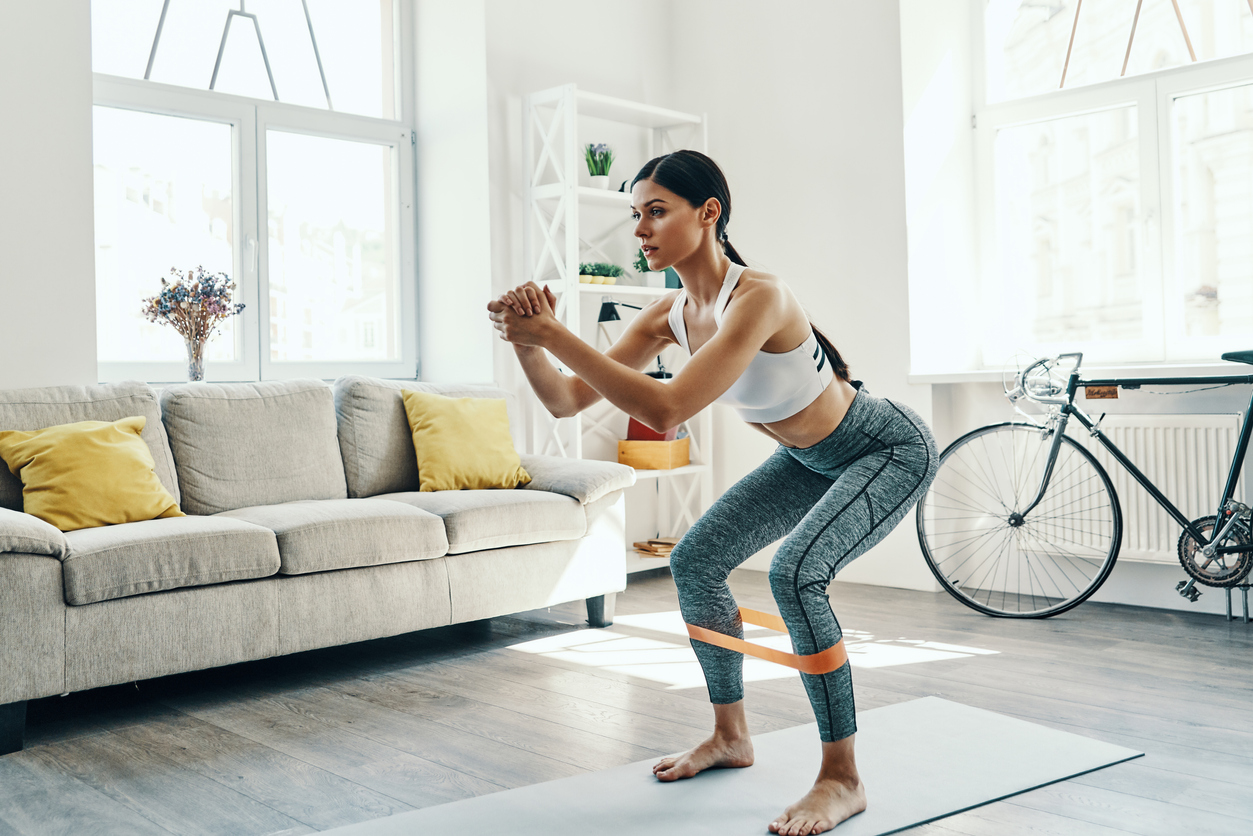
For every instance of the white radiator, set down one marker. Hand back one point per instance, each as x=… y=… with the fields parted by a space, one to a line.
x=1186 y=456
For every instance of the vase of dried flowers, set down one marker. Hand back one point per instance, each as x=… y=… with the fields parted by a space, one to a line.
x=195 y=305
x=195 y=360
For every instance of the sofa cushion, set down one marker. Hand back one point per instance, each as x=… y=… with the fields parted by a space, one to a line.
x=586 y=480
x=347 y=533
x=27 y=534
x=237 y=445
x=87 y=474
x=115 y=561
x=35 y=409
x=493 y=519
x=462 y=443
x=374 y=434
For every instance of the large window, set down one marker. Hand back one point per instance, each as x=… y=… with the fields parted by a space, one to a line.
x=1116 y=211
x=270 y=141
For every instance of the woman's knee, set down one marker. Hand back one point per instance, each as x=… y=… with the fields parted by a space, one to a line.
x=788 y=575
x=681 y=559
x=692 y=557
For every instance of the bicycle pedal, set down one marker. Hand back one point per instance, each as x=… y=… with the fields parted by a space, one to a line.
x=1188 y=590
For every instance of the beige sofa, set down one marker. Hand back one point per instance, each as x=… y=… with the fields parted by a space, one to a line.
x=306 y=529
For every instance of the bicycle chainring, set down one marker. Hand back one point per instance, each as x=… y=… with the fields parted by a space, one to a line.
x=1223 y=569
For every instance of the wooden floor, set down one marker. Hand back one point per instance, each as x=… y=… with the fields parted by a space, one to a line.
x=325 y=738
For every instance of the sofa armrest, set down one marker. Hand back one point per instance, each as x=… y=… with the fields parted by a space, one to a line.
x=28 y=534
x=587 y=480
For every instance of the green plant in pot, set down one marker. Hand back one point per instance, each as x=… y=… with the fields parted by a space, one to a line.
x=599 y=159
x=600 y=272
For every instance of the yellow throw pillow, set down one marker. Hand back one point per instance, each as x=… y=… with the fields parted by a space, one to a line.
x=87 y=474
x=462 y=443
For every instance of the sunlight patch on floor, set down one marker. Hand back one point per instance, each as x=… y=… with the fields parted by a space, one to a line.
x=675 y=664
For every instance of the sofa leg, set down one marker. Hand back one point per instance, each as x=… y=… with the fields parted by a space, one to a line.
x=12 y=727
x=600 y=609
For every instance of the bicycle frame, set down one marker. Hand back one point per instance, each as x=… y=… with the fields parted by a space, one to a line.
x=1068 y=408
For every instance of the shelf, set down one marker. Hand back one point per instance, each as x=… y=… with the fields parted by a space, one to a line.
x=625 y=290
x=636 y=562
x=586 y=194
x=677 y=471
x=558 y=232
x=632 y=113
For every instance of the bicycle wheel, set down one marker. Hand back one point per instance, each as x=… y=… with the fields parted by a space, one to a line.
x=991 y=558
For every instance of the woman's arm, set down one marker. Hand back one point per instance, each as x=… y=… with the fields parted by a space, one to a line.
x=645 y=336
x=753 y=316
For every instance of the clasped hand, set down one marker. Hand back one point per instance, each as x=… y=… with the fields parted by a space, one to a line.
x=524 y=315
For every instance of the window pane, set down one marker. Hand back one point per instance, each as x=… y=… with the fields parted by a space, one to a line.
x=354 y=39
x=333 y=250
x=163 y=198
x=1067 y=231
x=1026 y=41
x=1213 y=162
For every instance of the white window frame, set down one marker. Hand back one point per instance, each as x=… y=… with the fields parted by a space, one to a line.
x=249 y=120
x=1152 y=94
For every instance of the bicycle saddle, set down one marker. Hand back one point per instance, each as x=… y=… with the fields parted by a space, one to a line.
x=1239 y=356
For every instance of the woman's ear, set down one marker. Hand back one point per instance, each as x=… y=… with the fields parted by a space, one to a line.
x=712 y=211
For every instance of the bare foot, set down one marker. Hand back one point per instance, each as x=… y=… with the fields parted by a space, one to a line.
x=823 y=807
x=715 y=753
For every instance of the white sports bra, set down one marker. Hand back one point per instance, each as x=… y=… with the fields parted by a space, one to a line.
x=775 y=385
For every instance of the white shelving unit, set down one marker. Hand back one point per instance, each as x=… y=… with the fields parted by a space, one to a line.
x=558 y=234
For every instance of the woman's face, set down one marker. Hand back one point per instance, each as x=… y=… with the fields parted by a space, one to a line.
x=667 y=227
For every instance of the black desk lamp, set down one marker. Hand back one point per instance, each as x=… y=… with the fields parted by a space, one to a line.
x=609 y=313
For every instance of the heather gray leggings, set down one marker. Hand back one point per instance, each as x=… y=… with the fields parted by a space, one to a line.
x=830 y=503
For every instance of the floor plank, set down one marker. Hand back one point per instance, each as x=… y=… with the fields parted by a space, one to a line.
x=163 y=792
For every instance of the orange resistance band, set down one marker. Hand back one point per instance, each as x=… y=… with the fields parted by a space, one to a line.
x=828 y=660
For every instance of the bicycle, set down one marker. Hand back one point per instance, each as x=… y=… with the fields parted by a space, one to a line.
x=1022 y=521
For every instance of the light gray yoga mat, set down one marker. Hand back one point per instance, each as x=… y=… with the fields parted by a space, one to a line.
x=919 y=760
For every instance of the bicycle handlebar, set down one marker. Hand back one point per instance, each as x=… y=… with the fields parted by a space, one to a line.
x=1042 y=392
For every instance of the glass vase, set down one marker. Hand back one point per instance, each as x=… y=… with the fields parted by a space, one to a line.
x=195 y=359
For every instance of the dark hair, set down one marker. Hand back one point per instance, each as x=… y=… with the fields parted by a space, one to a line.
x=696 y=178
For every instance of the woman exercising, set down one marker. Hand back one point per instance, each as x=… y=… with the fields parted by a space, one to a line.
x=848 y=468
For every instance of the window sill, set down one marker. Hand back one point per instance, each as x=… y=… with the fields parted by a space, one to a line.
x=1140 y=370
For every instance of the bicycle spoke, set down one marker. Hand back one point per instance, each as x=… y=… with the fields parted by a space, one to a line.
x=985 y=490
x=1010 y=471
x=964 y=506
x=971 y=555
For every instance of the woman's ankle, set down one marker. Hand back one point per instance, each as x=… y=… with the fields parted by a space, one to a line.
x=730 y=721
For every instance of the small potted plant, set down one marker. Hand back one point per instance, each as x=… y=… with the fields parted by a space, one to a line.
x=599 y=159
x=599 y=272
x=195 y=305
x=652 y=278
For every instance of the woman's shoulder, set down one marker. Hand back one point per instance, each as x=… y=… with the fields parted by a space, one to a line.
x=658 y=310
x=761 y=286
x=662 y=305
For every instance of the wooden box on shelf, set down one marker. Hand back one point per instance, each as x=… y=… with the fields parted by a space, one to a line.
x=654 y=455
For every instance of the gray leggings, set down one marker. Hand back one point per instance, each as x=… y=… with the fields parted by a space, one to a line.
x=830 y=503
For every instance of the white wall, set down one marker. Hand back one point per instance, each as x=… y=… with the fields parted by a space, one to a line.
x=453 y=212
x=47 y=257
x=936 y=56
